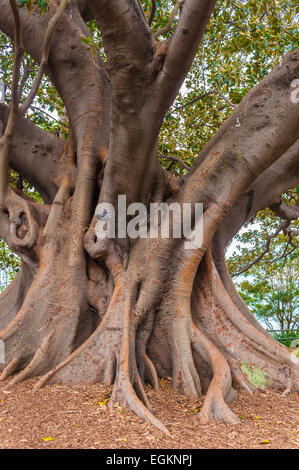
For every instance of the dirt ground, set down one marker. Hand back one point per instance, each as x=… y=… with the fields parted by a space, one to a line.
x=60 y=417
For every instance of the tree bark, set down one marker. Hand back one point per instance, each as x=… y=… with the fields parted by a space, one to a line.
x=123 y=311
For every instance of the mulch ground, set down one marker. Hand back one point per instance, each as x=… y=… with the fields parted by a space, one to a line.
x=60 y=417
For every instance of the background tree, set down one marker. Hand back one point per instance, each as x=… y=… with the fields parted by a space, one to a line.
x=273 y=297
x=265 y=267
x=125 y=312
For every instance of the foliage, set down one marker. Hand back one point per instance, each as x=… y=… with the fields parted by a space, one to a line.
x=288 y=338
x=273 y=298
x=251 y=242
x=43 y=5
x=244 y=41
x=10 y=265
x=255 y=375
x=270 y=287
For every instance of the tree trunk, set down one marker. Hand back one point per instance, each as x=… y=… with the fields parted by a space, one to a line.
x=123 y=311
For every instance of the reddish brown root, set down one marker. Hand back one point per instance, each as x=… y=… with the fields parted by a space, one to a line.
x=124 y=395
x=10 y=368
x=151 y=373
x=38 y=363
x=239 y=381
x=199 y=354
x=184 y=373
x=85 y=365
x=220 y=389
x=12 y=298
x=127 y=377
x=48 y=307
x=236 y=337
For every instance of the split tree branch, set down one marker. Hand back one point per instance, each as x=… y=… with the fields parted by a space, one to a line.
x=126 y=33
x=171 y=20
x=183 y=47
x=230 y=160
x=88 y=103
x=36 y=155
x=285 y=254
x=275 y=180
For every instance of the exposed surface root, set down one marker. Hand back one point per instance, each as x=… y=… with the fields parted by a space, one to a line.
x=34 y=324
x=94 y=360
x=220 y=389
x=127 y=376
x=85 y=366
x=10 y=369
x=202 y=354
x=237 y=337
x=185 y=375
x=239 y=381
x=12 y=298
x=151 y=373
x=38 y=363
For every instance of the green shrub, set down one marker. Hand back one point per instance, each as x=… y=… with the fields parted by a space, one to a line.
x=255 y=375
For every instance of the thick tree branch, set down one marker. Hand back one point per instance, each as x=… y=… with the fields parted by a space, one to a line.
x=183 y=47
x=278 y=178
x=283 y=211
x=36 y=155
x=126 y=33
x=253 y=138
x=82 y=85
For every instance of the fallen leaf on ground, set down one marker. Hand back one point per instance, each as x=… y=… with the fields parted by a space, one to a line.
x=104 y=402
x=47 y=439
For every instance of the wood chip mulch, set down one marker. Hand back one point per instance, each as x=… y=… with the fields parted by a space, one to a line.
x=61 y=417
